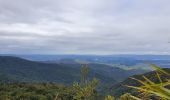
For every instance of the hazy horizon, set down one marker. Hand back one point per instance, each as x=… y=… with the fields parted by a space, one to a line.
x=87 y=54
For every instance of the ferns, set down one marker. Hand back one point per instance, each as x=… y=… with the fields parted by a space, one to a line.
x=152 y=89
x=128 y=97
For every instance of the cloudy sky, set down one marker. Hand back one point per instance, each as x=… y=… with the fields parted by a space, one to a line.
x=85 y=26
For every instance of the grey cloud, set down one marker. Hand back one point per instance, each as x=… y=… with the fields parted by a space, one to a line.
x=85 y=26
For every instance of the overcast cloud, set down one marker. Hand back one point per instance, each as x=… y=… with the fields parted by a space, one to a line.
x=85 y=26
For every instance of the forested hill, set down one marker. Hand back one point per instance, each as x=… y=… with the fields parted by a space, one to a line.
x=22 y=70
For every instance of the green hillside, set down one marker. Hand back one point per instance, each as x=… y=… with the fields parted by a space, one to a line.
x=17 y=69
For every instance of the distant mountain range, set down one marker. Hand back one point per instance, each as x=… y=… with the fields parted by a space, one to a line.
x=127 y=60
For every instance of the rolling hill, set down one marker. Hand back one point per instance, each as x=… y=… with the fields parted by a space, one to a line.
x=30 y=71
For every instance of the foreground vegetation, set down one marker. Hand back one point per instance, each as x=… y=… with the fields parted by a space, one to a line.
x=86 y=89
x=25 y=91
x=150 y=90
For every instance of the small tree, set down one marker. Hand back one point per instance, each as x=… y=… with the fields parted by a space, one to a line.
x=87 y=89
x=84 y=74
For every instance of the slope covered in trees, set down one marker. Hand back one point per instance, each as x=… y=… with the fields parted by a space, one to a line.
x=31 y=71
x=21 y=70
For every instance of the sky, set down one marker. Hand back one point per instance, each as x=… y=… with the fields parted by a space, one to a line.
x=85 y=27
